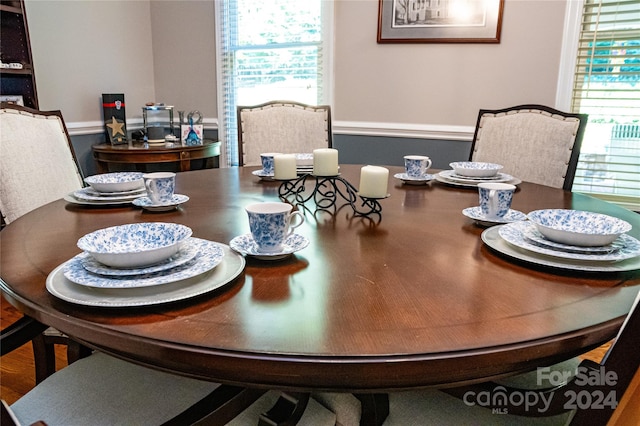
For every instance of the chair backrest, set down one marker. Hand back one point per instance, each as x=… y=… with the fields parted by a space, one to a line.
x=37 y=160
x=281 y=126
x=534 y=143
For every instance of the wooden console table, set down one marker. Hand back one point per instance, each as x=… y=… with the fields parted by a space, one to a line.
x=135 y=152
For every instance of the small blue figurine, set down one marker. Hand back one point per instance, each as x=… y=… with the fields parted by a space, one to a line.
x=192 y=136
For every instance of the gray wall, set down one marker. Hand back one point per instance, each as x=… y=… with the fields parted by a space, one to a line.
x=164 y=51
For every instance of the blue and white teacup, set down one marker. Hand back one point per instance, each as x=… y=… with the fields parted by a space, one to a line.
x=416 y=165
x=271 y=223
x=267 y=162
x=160 y=186
x=495 y=199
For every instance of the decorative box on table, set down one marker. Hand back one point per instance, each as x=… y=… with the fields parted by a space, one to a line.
x=114 y=117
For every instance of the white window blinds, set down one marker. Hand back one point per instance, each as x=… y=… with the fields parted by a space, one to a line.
x=607 y=87
x=270 y=50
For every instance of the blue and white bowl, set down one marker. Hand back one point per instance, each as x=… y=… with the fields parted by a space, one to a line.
x=475 y=168
x=578 y=228
x=136 y=244
x=116 y=182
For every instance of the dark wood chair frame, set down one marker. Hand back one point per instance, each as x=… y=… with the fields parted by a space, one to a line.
x=577 y=144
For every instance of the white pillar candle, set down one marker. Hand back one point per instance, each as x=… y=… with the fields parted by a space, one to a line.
x=373 y=182
x=325 y=162
x=284 y=166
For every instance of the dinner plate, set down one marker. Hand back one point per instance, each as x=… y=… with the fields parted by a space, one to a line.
x=531 y=233
x=246 y=245
x=452 y=176
x=209 y=255
x=189 y=251
x=491 y=237
x=83 y=194
x=513 y=233
x=410 y=180
x=69 y=198
x=476 y=214
x=147 y=204
x=231 y=267
x=90 y=191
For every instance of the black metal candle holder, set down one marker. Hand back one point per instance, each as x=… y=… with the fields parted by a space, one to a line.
x=326 y=192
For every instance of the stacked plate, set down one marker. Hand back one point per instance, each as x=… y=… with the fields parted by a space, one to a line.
x=110 y=189
x=568 y=239
x=142 y=264
x=468 y=174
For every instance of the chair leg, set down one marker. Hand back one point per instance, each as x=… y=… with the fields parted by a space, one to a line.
x=44 y=357
x=375 y=408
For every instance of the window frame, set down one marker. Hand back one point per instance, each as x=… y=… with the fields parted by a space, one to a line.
x=328 y=18
x=566 y=80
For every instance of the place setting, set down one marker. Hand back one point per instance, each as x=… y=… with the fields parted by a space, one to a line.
x=416 y=167
x=143 y=264
x=109 y=189
x=160 y=193
x=271 y=235
x=494 y=205
x=301 y=163
x=568 y=239
x=468 y=174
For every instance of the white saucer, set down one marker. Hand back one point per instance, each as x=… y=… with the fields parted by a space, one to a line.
x=262 y=174
x=410 y=180
x=244 y=244
x=476 y=214
x=147 y=204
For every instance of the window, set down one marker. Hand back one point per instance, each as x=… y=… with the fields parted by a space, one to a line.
x=270 y=50
x=607 y=87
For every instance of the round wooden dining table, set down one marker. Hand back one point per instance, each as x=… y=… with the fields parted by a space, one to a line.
x=406 y=298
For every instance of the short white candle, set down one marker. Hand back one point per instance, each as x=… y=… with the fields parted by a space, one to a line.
x=325 y=162
x=373 y=182
x=284 y=166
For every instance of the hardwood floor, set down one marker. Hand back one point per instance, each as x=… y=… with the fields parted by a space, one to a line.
x=17 y=373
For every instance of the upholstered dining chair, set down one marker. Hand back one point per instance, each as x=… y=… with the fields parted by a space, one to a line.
x=37 y=160
x=103 y=390
x=535 y=143
x=575 y=401
x=38 y=166
x=281 y=126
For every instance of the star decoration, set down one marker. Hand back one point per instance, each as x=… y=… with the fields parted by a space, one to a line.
x=116 y=127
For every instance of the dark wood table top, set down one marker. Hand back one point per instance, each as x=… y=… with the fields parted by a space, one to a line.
x=414 y=300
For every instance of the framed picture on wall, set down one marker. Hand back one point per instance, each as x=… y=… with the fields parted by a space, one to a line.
x=439 y=21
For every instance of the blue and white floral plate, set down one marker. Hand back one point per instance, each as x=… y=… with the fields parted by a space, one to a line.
x=492 y=238
x=88 y=194
x=476 y=214
x=245 y=244
x=225 y=273
x=410 y=180
x=209 y=255
x=532 y=234
x=449 y=177
x=189 y=250
x=514 y=233
x=147 y=204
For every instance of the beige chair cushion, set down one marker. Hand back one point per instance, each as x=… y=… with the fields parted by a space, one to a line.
x=532 y=145
x=36 y=163
x=284 y=128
